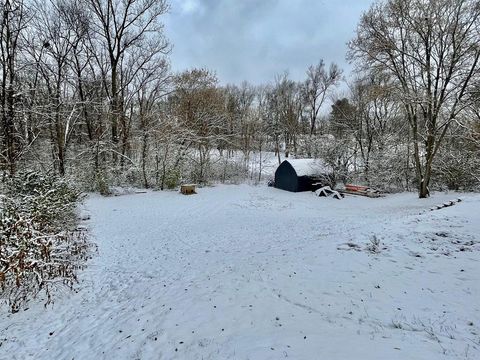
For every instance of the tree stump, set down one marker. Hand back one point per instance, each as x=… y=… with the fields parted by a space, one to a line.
x=188 y=189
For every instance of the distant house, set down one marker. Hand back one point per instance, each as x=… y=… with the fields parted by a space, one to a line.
x=302 y=175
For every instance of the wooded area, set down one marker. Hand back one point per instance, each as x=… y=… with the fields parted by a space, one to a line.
x=100 y=115
x=87 y=93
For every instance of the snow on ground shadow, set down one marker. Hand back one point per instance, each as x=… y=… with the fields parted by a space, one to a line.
x=241 y=272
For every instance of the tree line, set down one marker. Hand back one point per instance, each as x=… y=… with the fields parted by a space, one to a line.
x=87 y=92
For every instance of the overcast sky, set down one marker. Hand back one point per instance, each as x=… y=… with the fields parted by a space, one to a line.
x=255 y=39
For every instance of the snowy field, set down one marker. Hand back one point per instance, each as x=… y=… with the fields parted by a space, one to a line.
x=242 y=272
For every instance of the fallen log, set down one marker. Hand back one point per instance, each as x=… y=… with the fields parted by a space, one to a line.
x=361 y=193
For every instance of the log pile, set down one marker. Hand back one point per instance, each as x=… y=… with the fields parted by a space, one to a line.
x=360 y=191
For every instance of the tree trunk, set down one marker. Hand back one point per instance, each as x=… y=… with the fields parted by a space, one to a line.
x=144 y=158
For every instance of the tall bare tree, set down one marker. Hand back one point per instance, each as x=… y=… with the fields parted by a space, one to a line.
x=367 y=115
x=131 y=34
x=58 y=33
x=431 y=49
x=13 y=22
x=199 y=106
x=316 y=88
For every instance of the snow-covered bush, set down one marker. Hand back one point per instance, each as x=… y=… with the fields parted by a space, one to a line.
x=457 y=168
x=231 y=170
x=39 y=246
x=101 y=183
x=171 y=179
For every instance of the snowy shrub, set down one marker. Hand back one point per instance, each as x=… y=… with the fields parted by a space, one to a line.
x=457 y=169
x=229 y=170
x=131 y=175
x=50 y=201
x=39 y=248
x=172 y=178
x=390 y=170
x=101 y=183
x=375 y=245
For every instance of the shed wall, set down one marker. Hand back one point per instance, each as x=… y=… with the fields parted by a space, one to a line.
x=286 y=178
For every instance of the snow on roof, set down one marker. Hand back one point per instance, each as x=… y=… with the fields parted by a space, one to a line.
x=309 y=166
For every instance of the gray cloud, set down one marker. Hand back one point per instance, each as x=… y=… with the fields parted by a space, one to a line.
x=255 y=39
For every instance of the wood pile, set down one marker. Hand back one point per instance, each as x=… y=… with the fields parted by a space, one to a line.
x=360 y=190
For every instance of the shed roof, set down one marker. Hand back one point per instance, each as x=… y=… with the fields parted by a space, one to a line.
x=305 y=167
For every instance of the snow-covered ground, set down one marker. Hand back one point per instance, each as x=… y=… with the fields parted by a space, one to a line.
x=242 y=272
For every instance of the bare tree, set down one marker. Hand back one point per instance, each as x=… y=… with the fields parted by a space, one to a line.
x=431 y=49
x=316 y=88
x=367 y=115
x=199 y=106
x=58 y=33
x=13 y=23
x=261 y=124
x=151 y=85
x=131 y=33
x=286 y=107
x=239 y=110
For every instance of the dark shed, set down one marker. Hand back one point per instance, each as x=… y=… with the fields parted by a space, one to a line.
x=302 y=175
